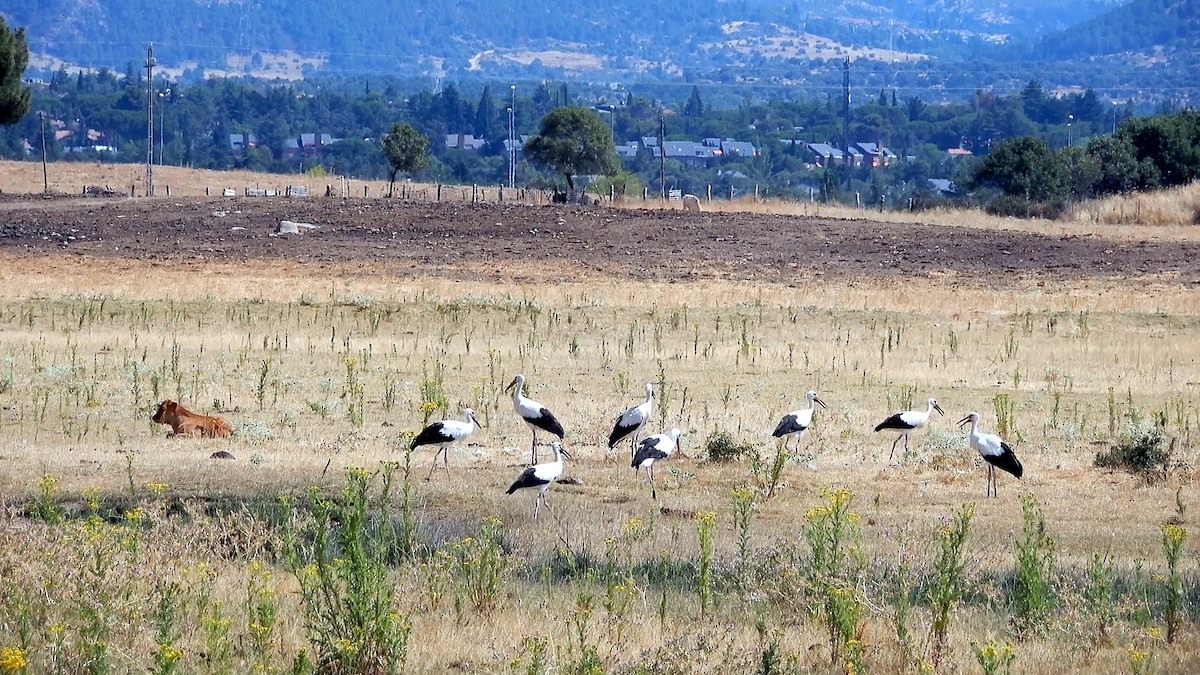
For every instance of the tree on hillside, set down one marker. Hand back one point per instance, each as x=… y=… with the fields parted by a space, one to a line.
x=573 y=140
x=14 y=57
x=406 y=150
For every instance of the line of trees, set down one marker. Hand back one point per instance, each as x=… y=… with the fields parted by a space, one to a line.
x=1044 y=150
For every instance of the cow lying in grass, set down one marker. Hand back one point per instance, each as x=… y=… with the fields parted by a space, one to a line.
x=184 y=422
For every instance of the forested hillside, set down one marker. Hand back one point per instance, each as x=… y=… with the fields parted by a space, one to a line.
x=950 y=46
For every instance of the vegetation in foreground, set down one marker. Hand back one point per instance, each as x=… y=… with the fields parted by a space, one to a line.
x=314 y=551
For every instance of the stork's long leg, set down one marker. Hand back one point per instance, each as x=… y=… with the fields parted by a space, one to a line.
x=653 y=489
x=433 y=466
x=893 y=452
x=533 y=450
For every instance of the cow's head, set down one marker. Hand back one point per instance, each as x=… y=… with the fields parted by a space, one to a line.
x=167 y=406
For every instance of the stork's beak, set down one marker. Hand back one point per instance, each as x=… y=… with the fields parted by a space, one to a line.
x=964 y=420
x=476 y=421
x=939 y=409
x=818 y=400
x=564 y=452
x=510 y=384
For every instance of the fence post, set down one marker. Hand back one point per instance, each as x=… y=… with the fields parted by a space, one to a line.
x=439 y=195
x=857 y=200
x=710 y=193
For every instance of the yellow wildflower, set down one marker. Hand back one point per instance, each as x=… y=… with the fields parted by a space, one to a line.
x=12 y=659
x=169 y=653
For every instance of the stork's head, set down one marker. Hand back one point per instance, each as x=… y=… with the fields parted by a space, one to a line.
x=812 y=396
x=558 y=447
x=934 y=404
x=471 y=416
x=971 y=417
x=518 y=379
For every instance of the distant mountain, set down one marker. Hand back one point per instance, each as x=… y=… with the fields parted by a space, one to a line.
x=1150 y=28
x=951 y=45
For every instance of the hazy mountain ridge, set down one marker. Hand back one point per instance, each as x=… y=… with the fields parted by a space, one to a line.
x=694 y=40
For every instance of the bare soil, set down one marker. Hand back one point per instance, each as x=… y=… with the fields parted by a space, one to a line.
x=516 y=242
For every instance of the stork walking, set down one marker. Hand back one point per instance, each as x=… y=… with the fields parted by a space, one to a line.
x=795 y=424
x=652 y=449
x=906 y=422
x=631 y=422
x=541 y=476
x=994 y=451
x=444 y=434
x=536 y=415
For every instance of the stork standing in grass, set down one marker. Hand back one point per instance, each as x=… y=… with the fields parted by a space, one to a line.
x=652 y=449
x=906 y=422
x=795 y=424
x=994 y=451
x=541 y=476
x=444 y=434
x=631 y=422
x=536 y=415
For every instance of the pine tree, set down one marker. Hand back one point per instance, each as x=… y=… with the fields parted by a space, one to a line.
x=14 y=57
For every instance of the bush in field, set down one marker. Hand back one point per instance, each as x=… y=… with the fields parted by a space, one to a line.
x=722 y=447
x=349 y=602
x=1144 y=451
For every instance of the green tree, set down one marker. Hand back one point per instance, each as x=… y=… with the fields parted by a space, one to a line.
x=1023 y=167
x=406 y=150
x=14 y=57
x=573 y=140
x=694 y=106
x=1118 y=166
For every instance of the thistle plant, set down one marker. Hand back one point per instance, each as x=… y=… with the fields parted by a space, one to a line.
x=1173 y=538
x=1099 y=595
x=834 y=540
x=946 y=582
x=349 y=601
x=705 y=521
x=743 y=514
x=481 y=564
x=586 y=657
x=1032 y=594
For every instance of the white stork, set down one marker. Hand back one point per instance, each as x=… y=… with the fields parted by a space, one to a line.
x=994 y=451
x=795 y=424
x=443 y=434
x=536 y=415
x=630 y=423
x=906 y=422
x=652 y=449
x=541 y=476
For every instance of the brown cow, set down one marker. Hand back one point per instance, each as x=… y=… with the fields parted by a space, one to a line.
x=184 y=422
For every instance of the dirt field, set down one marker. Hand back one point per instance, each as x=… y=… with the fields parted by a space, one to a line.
x=321 y=349
x=521 y=243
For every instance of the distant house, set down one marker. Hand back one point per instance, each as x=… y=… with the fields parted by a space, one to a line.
x=465 y=142
x=650 y=141
x=690 y=152
x=955 y=153
x=307 y=145
x=853 y=156
x=824 y=154
x=732 y=148
x=239 y=143
x=628 y=151
x=876 y=155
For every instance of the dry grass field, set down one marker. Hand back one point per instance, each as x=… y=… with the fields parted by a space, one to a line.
x=130 y=551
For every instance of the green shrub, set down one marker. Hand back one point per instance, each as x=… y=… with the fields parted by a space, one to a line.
x=722 y=447
x=1144 y=451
